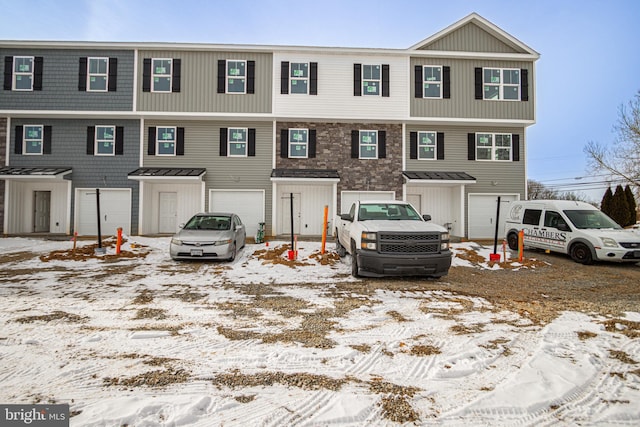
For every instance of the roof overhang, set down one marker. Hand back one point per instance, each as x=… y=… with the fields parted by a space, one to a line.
x=305 y=175
x=169 y=175
x=438 y=178
x=34 y=173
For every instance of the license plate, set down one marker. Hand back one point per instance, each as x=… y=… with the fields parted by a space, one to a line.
x=196 y=252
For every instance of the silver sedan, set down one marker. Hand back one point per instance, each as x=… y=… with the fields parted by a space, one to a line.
x=209 y=236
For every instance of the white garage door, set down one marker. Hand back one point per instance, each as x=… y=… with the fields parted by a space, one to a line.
x=247 y=204
x=482 y=214
x=347 y=198
x=115 y=211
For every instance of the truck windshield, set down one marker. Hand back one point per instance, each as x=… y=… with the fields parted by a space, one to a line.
x=589 y=219
x=387 y=211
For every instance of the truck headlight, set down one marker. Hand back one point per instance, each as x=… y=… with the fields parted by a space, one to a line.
x=609 y=243
x=444 y=241
x=368 y=241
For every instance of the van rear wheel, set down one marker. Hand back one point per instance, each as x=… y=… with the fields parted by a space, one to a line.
x=512 y=240
x=581 y=253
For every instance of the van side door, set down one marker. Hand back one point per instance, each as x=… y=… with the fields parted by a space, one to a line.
x=531 y=227
x=555 y=232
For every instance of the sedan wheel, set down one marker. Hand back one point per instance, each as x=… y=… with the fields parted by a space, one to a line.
x=232 y=257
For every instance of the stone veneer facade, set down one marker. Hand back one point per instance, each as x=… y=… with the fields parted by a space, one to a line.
x=333 y=151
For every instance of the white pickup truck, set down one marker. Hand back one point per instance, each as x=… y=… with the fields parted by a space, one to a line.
x=389 y=238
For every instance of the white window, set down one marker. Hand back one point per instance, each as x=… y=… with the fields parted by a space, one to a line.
x=237 y=142
x=105 y=140
x=371 y=79
x=501 y=84
x=97 y=74
x=368 y=144
x=166 y=141
x=23 y=72
x=493 y=146
x=32 y=139
x=427 y=145
x=432 y=82
x=299 y=77
x=236 y=76
x=298 y=143
x=161 y=75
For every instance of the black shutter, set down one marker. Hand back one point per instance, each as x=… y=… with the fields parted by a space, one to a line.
x=180 y=142
x=385 y=80
x=251 y=149
x=471 y=146
x=446 y=82
x=113 y=75
x=151 y=143
x=524 y=85
x=382 y=144
x=8 y=72
x=251 y=76
x=355 y=144
x=312 y=143
x=82 y=75
x=440 y=145
x=175 y=75
x=119 y=140
x=91 y=133
x=313 y=78
x=46 y=143
x=146 y=75
x=418 y=81
x=284 y=77
x=37 y=73
x=357 y=79
x=223 y=142
x=515 y=147
x=17 y=149
x=222 y=76
x=413 y=145
x=478 y=83
x=284 y=143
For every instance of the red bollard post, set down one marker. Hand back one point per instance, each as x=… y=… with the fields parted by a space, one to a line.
x=119 y=241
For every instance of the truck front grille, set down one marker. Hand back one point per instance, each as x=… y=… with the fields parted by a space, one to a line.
x=412 y=243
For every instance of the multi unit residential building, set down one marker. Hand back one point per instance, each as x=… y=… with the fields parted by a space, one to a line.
x=164 y=130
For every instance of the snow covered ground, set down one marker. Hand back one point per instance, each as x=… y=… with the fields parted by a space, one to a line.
x=151 y=342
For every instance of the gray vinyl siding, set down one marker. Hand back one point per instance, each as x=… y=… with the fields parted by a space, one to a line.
x=202 y=150
x=471 y=38
x=60 y=82
x=510 y=176
x=462 y=103
x=3 y=144
x=199 y=84
x=69 y=149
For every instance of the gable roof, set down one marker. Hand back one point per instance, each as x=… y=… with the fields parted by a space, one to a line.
x=479 y=34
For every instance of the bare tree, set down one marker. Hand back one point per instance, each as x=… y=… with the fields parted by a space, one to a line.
x=622 y=158
x=538 y=191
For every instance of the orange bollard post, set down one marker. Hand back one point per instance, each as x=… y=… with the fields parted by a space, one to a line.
x=520 y=245
x=119 y=241
x=75 y=240
x=324 y=229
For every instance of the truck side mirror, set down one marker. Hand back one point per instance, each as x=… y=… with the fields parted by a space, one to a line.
x=346 y=217
x=426 y=217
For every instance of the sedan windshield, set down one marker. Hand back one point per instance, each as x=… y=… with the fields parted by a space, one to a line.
x=590 y=219
x=387 y=211
x=208 y=222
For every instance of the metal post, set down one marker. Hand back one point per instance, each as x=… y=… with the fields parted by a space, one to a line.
x=98 y=210
x=495 y=238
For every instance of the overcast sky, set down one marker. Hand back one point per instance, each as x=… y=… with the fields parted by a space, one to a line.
x=589 y=64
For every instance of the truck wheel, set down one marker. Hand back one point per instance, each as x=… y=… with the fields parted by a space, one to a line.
x=354 y=260
x=340 y=249
x=512 y=240
x=581 y=253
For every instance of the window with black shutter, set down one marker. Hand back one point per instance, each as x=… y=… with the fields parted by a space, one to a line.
x=113 y=75
x=82 y=75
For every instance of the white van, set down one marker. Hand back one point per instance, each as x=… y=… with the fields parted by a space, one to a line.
x=574 y=228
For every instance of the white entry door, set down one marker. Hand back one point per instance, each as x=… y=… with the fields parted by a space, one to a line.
x=168 y=211
x=285 y=218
